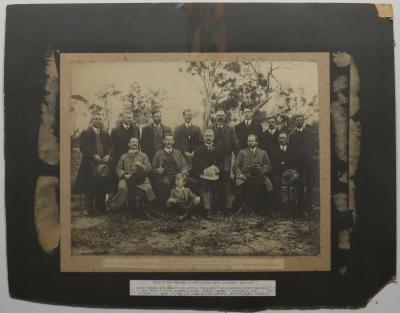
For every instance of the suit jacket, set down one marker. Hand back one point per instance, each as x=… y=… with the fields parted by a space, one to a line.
x=187 y=139
x=203 y=158
x=245 y=160
x=120 y=138
x=84 y=180
x=267 y=141
x=302 y=146
x=147 y=139
x=226 y=138
x=243 y=131
x=127 y=161
x=160 y=156
x=184 y=198
x=281 y=161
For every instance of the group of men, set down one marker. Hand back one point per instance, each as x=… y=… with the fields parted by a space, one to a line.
x=161 y=167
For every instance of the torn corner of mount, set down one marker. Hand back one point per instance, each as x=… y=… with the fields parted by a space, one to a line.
x=385 y=10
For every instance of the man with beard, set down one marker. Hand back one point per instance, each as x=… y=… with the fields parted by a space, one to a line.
x=132 y=170
x=251 y=167
x=269 y=135
x=301 y=142
x=153 y=135
x=167 y=162
x=225 y=137
x=247 y=127
x=93 y=179
x=208 y=164
x=187 y=137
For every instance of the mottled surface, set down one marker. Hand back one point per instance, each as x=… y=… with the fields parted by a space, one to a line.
x=114 y=234
x=47 y=213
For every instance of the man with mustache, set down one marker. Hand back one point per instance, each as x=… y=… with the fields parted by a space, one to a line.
x=208 y=163
x=167 y=162
x=132 y=170
x=96 y=147
x=225 y=136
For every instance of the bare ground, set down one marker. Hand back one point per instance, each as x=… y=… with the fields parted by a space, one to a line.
x=116 y=234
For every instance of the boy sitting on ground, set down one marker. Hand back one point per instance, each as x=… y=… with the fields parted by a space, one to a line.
x=182 y=200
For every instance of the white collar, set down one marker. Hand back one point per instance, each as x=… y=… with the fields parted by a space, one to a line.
x=253 y=149
x=188 y=125
x=180 y=189
x=126 y=126
x=209 y=145
x=168 y=150
x=96 y=130
x=155 y=125
x=284 y=148
x=220 y=125
x=272 y=131
x=300 y=129
x=248 y=122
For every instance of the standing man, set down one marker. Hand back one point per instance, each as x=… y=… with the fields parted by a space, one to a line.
x=208 y=165
x=251 y=167
x=282 y=159
x=187 y=137
x=225 y=136
x=122 y=134
x=301 y=142
x=167 y=162
x=247 y=127
x=93 y=175
x=153 y=135
x=269 y=135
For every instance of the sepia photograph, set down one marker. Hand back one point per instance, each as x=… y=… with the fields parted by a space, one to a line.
x=187 y=157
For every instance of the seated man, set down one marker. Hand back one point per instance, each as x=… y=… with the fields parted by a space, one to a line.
x=208 y=165
x=166 y=164
x=182 y=200
x=132 y=170
x=250 y=169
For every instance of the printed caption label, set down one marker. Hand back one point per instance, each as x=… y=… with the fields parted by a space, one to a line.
x=203 y=288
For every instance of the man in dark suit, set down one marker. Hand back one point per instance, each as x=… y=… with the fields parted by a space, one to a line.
x=269 y=135
x=122 y=134
x=282 y=159
x=208 y=166
x=153 y=135
x=187 y=137
x=301 y=142
x=95 y=145
x=247 y=127
x=225 y=136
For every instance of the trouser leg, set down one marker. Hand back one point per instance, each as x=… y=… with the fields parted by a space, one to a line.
x=131 y=199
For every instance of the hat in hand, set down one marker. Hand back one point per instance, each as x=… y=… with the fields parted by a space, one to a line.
x=255 y=170
x=290 y=176
x=210 y=173
x=101 y=171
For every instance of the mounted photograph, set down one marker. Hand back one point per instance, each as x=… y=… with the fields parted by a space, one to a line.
x=178 y=162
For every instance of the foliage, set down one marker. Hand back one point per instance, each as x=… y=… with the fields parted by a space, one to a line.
x=142 y=102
